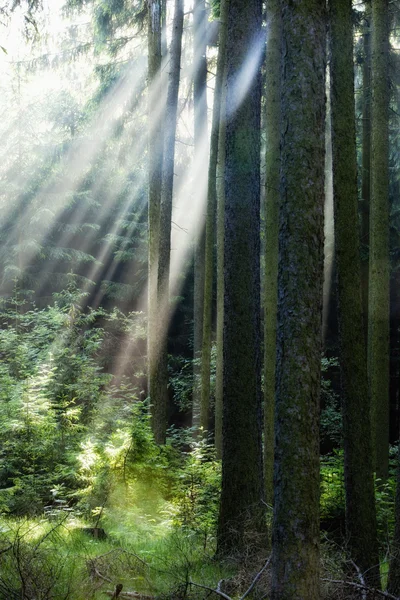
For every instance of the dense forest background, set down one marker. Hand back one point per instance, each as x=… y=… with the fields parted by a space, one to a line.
x=199 y=299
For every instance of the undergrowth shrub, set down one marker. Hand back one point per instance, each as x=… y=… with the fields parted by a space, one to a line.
x=198 y=492
x=30 y=565
x=65 y=423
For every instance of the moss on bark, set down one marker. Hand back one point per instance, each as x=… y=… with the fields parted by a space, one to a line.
x=272 y=177
x=378 y=329
x=241 y=510
x=300 y=277
x=361 y=525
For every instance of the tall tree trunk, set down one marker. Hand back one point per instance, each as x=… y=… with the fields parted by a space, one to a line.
x=358 y=468
x=210 y=231
x=166 y=208
x=378 y=330
x=200 y=135
x=366 y=160
x=295 y=560
x=155 y=384
x=219 y=388
x=272 y=196
x=241 y=508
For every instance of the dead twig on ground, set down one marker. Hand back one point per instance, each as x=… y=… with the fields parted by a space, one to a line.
x=218 y=592
x=128 y=595
x=361 y=587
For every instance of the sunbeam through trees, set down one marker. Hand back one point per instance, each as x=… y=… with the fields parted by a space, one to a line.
x=199 y=299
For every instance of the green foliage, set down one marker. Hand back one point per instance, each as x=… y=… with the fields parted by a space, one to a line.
x=52 y=384
x=185 y=373
x=198 y=492
x=332 y=487
x=332 y=502
x=30 y=565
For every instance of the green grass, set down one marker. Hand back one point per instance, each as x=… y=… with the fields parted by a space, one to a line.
x=143 y=553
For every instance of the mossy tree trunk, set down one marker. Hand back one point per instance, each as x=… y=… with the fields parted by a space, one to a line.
x=295 y=568
x=361 y=525
x=272 y=178
x=200 y=135
x=210 y=233
x=378 y=306
x=155 y=145
x=366 y=160
x=166 y=209
x=241 y=515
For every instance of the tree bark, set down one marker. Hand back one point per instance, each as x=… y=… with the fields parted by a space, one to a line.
x=155 y=144
x=366 y=161
x=166 y=211
x=272 y=197
x=200 y=135
x=295 y=573
x=378 y=307
x=361 y=525
x=219 y=392
x=210 y=231
x=241 y=515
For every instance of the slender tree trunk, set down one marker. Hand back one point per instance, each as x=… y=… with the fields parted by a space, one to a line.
x=219 y=391
x=200 y=135
x=378 y=330
x=366 y=161
x=296 y=533
x=241 y=510
x=210 y=235
x=166 y=207
x=272 y=196
x=358 y=467
x=155 y=384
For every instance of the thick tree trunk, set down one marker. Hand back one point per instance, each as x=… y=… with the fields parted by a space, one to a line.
x=358 y=467
x=241 y=510
x=210 y=232
x=272 y=196
x=378 y=329
x=155 y=383
x=166 y=210
x=200 y=136
x=296 y=476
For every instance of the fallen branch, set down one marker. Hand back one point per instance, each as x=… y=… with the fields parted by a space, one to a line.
x=128 y=595
x=361 y=578
x=210 y=589
x=360 y=586
x=256 y=579
x=217 y=590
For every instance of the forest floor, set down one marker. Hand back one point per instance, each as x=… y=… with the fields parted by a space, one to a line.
x=64 y=559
